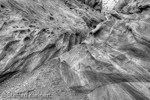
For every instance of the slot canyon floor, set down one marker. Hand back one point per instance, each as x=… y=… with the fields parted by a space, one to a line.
x=74 y=50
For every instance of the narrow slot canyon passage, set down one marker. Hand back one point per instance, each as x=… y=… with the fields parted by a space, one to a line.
x=74 y=50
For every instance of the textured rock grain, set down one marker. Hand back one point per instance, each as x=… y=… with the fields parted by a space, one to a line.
x=74 y=50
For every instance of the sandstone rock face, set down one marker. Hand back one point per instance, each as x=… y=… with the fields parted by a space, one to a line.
x=74 y=50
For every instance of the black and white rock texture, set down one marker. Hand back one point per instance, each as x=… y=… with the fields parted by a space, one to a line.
x=74 y=50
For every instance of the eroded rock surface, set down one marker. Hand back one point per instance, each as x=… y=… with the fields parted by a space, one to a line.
x=74 y=50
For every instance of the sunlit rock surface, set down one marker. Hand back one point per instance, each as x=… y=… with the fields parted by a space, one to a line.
x=74 y=50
